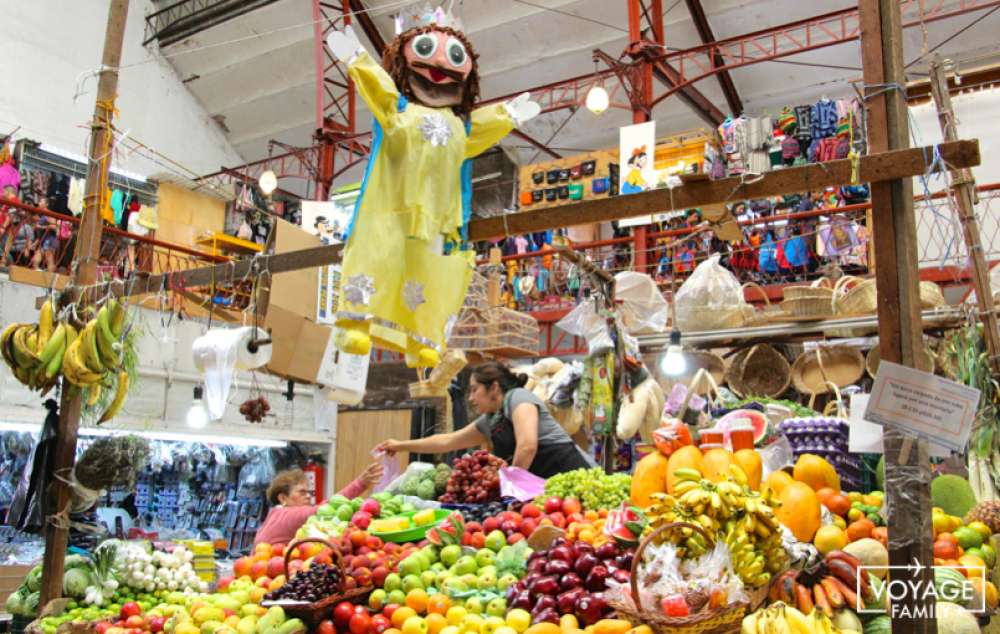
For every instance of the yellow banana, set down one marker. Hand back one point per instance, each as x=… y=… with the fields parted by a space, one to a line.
x=93 y=394
x=687 y=473
x=119 y=400
x=75 y=369
x=23 y=353
x=91 y=357
x=45 y=325
x=117 y=318
x=5 y=337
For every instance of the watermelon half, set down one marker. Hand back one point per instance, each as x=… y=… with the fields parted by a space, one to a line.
x=739 y=418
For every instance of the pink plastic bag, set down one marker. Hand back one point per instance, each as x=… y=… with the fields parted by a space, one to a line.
x=520 y=484
x=390 y=470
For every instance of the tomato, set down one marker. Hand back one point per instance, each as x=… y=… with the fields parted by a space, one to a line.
x=130 y=609
x=360 y=623
x=326 y=627
x=380 y=623
x=342 y=614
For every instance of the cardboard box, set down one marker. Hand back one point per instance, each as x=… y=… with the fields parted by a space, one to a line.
x=294 y=291
x=299 y=343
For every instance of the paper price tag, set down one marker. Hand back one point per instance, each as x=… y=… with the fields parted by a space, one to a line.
x=923 y=405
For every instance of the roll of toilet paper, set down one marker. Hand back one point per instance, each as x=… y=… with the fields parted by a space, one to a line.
x=219 y=353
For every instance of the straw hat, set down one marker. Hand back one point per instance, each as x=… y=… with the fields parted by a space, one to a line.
x=147 y=218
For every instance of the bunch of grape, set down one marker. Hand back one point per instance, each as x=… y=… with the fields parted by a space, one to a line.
x=594 y=488
x=474 y=479
x=315 y=584
x=255 y=409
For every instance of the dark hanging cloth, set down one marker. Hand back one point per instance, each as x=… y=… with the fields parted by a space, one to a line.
x=30 y=506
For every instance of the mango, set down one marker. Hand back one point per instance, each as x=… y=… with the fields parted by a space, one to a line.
x=187 y=627
x=208 y=613
x=247 y=625
x=292 y=626
x=227 y=602
x=248 y=610
x=210 y=627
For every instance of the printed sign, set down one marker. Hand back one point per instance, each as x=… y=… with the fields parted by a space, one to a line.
x=636 y=151
x=923 y=405
x=907 y=592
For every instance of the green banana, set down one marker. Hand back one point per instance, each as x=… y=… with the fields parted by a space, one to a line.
x=56 y=342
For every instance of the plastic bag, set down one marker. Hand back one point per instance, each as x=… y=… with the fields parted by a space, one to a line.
x=710 y=291
x=583 y=321
x=520 y=484
x=776 y=456
x=642 y=306
x=414 y=469
x=390 y=470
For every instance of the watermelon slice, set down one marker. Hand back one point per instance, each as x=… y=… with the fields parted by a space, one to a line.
x=741 y=418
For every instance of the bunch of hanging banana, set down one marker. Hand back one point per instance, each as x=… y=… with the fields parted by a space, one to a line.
x=728 y=510
x=38 y=353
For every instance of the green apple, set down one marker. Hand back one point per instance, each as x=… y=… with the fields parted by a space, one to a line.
x=441 y=578
x=424 y=560
x=454 y=585
x=428 y=577
x=410 y=566
x=393 y=581
x=497 y=607
x=437 y=566
x=450 y=554
x=487 y=581
x=496 y=540
x=396 y=596
x=505 y=582
x=378 y=599
x=492 y=624
x=472 y=581
x=485 y=557
x=466 y=565
x=491 y=569
x=412 y=582
x=345 y=512
x=430 y=551
x=474 y=605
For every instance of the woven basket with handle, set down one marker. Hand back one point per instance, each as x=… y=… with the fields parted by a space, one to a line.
x=855 y=296
x=754 y=317
x=814 y=370
x=759 y=371
x=723 y=620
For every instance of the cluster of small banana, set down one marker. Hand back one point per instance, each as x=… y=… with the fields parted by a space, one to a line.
x=729 y=510
x=779 y=618
x=38 y=353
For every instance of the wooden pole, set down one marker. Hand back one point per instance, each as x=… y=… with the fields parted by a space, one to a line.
x=963 y=185
x=907 y=466
x=88 y=247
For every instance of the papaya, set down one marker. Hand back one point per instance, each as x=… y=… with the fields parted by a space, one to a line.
x=816 y=472
x=749 y=461
x=717 y=463
x=650 y=477
x=800 y=511
x=777 y=481
x=688 y=456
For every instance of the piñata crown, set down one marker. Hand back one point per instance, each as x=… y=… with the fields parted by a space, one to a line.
x=416 y=17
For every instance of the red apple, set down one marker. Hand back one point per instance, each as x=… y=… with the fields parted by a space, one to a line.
x=530 y=510
x=326 y=627
x=553 y=504
x=490 y=524
x=390 y=609
x=129 y=609
x=342 y=613
x=156 y=623
x=378 y=576
x=380 y=623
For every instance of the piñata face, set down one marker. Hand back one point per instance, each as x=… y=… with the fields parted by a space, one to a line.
x=439 y=65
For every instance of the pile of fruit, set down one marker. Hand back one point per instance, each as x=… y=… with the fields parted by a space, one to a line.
x=255 y=409
x=594 y=488
x=475 y=478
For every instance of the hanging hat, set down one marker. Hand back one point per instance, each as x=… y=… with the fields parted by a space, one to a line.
x=147 y=218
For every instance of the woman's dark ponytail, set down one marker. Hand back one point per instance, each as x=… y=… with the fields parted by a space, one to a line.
x=492 y=372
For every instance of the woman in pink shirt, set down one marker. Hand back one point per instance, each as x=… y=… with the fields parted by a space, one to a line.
x=289 y=497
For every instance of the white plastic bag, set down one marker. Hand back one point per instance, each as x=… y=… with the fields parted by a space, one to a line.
x=643 y=308
x=390 y=470
x=711 y=293
x=415 y=468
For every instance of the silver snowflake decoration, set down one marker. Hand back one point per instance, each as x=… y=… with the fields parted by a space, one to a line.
x=449 y=326
x=359 y=289
x=413 y=294
x=435 y=129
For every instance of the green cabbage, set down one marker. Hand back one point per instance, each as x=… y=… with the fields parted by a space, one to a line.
x=15 y=602
x=75 y=582
x=34 y=579
x=30 y=607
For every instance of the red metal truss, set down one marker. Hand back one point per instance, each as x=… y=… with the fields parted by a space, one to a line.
x=334 y=89
x=699 y=62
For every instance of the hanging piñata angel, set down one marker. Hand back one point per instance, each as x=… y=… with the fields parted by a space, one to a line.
x=405 y=272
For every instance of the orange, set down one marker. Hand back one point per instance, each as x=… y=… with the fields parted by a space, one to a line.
x=944 y=549
x=825 y=494
x=881 y=534
x=401 y=614
x=829 y=538
x=438 y=604
x=838 y=504
x=417 y=599
x=586 y=535
x=860 y=529
x=591 y=515
x=972 y=566
x=435 y=622
x=948 y=537
x=987 y=589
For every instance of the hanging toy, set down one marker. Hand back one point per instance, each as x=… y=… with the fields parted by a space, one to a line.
x=405 y=270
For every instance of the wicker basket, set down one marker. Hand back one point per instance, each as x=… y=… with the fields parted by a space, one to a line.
x=855 y=296
x=725 y=620
x=931 y=296
x=718 y=318
x=313 y=613
x=754 y=317
x=813 y=371
x=819 y=289
x=702 y=360
x=925 y=361
x=759 y=371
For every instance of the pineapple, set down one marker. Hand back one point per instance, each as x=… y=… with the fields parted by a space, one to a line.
x=986 y=512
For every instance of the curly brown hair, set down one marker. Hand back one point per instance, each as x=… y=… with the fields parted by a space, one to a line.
x=283 y=483
x=394 y=63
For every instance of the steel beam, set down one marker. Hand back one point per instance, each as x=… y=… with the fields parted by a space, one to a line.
x=697 y=12
x=535 y=142
x=360 y=13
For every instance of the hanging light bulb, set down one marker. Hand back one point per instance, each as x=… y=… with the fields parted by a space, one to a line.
x=197 y=415
x=268 y=182
x=673 y=363
x=597 y=99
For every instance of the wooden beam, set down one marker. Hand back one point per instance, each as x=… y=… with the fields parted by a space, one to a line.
x=88 y=246
x=907 y=465
x=963 y=184
x=872 y=168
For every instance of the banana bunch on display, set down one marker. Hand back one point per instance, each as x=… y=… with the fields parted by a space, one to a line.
x=784 y=619
x=38 y=353
x=730 y=511
x=829 y=587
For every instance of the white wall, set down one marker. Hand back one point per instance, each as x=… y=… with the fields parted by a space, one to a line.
x=939 y=235
x=51 y=47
